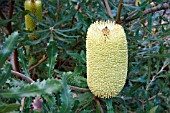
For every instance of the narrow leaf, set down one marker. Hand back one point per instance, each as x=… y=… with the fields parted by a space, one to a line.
x=8 y=107
x=85 y=99
x=52 y=53
x=22 y=60
x=50 y=99
x=8 y=46
x=66 y=98
x=5 y=74
x=109 y=105
x=30 y=90
x=34 y=42
x=153 y=110
x=12 y=19
x=64 y=35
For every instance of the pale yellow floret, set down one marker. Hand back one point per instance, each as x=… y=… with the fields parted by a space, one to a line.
x=107 y=58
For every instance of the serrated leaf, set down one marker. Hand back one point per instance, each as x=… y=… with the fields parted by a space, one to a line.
x=109 y=105
x=8 y=46
x=50 y=99
x=52 y=53
x=66 y=98
x=8 y=107
x=5 y=74
x=22 y=60
x=30 y=90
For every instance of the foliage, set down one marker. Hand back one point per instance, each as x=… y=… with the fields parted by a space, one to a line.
x=60 y=53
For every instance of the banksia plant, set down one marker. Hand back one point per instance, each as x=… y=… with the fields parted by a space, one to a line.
x=107 y=58
x=35 y=7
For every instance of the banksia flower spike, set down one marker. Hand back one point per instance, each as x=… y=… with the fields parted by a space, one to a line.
x=107 y=58
x=35 y=7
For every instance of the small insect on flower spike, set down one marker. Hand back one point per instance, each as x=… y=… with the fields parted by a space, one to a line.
x=106 y=62
x=106 y=32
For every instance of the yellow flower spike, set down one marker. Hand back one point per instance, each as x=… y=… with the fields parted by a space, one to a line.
x=35 y=7
x=107 y=58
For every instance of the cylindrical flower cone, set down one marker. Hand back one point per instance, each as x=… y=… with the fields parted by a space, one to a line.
x=107 y=58
x=35 y=7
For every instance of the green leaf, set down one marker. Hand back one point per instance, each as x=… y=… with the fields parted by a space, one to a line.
x=12 y=19
x=5 y=74
x=159 y=55
x=34 y=42
x=52 y=53
x=85 y=98
x=30 y=90
x=8 y=107
x=149 y=17
x=109 y=105
x=37 y=21
x=66 y=18
x=22 y=60
x=64 y=35
x=153 y=110
x=50 y=99
x=132 y=7
x=8 y=46
x=66 y=98
x=68 y=30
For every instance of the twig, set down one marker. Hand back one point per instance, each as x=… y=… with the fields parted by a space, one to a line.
x=79 y=89
x=22 y=76
x=157 y=8
x=98 y=104
x=31 y=81
x=159 y=94
x=73 y=18
x=78 y=42
x=11 y=9
x=154 y=77
x=132 y=13
x=108 y=9
x=147 y=11
x=151 y=98
x=58 y=10
x=36 y=65
x=119 y=12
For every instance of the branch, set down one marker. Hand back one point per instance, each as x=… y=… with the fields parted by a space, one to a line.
x=79 y=89
x=98 y=104
x=151 y=98
x=78 y=42
x=17 y=74
x=78 y=7
x=119 y=12
x=11 y=9
x=36 y=65
x=20 y=75
x=157 y=8
x=147 y=11
x=108 y=9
